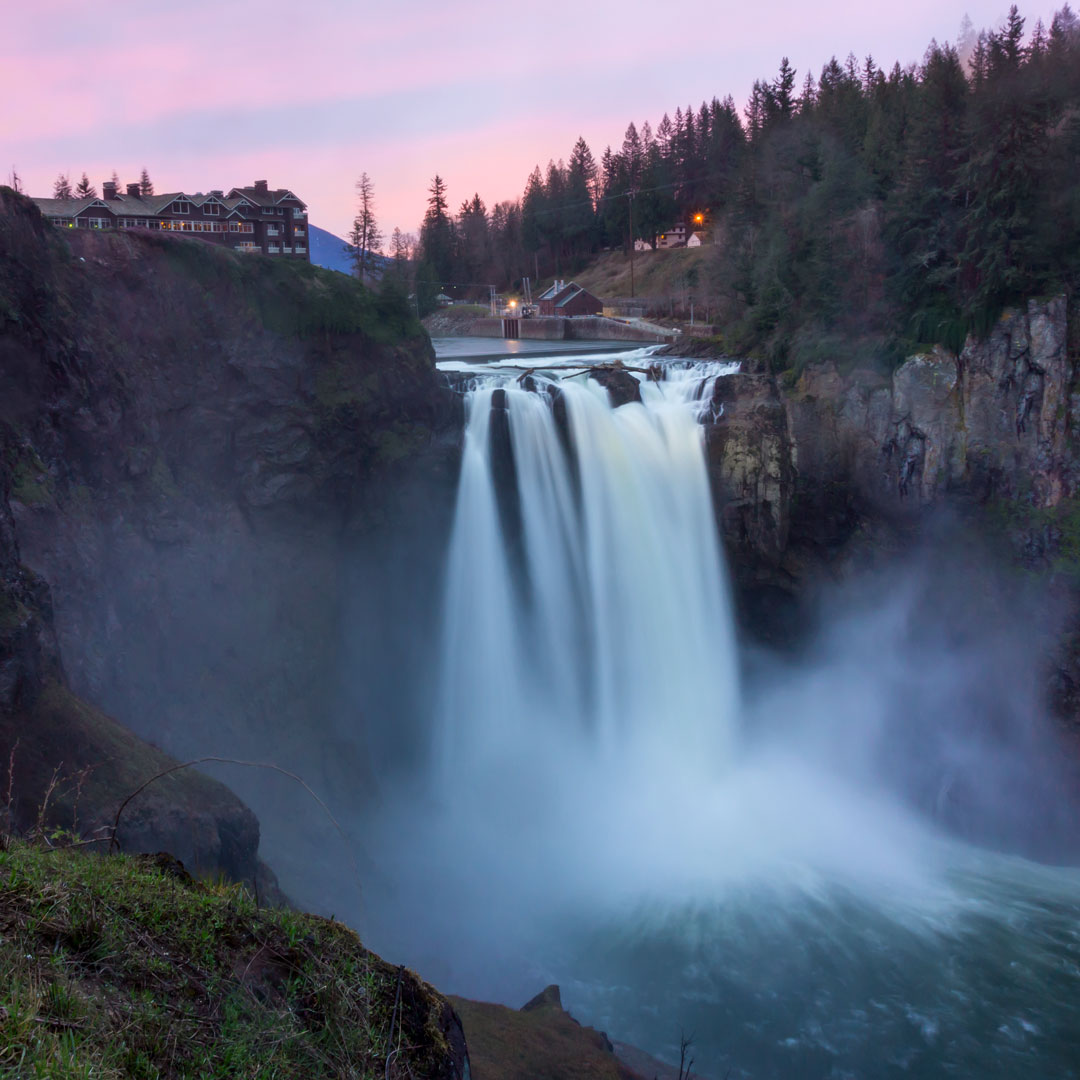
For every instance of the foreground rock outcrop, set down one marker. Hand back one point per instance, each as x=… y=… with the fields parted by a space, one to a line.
x=542 y=1041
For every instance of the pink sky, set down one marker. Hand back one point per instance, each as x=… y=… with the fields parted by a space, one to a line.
x=212 y=95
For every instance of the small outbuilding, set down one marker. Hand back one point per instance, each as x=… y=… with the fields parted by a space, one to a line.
x=568 y=300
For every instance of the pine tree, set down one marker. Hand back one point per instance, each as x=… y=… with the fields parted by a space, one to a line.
x=474 y=240
x=62 y=187
x=665 y=131
x=783 y=98
x=926 y=222
x=579 y=225
x=146 y=187
x=437 y=234
x=84 y=189
x=533 y=206
x=366 y=238
x=633 y=154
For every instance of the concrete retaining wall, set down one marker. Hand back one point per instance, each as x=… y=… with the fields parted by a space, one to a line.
x=591 y=328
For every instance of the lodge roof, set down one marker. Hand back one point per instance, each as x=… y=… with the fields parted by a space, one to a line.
x=149 y=206
x=67 y=207
x=269 y=197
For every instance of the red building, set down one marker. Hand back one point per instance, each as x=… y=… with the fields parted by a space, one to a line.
x=256 y=218
x=568 y=300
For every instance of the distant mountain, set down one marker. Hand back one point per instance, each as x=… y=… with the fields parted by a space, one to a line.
x=333 y=253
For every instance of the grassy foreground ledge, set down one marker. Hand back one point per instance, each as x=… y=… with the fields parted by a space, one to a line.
x=118 y=966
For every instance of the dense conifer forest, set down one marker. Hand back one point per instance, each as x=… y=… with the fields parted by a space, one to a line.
x=855 y=213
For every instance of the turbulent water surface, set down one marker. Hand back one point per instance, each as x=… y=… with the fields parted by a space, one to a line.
x=615 y=812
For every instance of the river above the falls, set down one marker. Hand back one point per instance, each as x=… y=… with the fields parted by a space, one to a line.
x=607 y=802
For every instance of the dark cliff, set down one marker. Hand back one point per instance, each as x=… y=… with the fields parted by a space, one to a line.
x=190 y=440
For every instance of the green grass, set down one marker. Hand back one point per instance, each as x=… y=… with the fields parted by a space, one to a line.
x=291 y=297
x=126 y=967
x=657 y=274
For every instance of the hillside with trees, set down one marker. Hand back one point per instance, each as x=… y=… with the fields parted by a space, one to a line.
x=855 y=213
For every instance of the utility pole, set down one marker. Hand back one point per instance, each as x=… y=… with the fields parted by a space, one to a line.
x=630 y=197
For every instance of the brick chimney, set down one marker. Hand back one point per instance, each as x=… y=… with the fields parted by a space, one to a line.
x=133 y=191
x=108 y=190
x=262 y=186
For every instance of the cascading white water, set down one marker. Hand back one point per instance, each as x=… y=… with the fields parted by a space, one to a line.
x=613 y=622
x=608 y=811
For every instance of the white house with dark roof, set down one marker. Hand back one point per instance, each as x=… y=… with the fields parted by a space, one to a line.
x=253 y=219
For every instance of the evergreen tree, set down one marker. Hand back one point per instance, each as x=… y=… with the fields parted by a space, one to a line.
x=579 y=218
x=633 y=154
x=437 y=234
x=84 y=189
x=62 y=187
x=146 y=187
x=783 y=96
x=926 y=220
x=473 y=240
x=365 y=236
x=533 y=208
x=881 y=205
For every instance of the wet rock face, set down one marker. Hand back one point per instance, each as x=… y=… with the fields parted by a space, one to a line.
x=991 y=422
x=750 y=463
x=621 y=386
x=193 y=445
x=803 y=471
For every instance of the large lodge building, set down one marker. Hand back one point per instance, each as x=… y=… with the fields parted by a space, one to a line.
x=254 y=218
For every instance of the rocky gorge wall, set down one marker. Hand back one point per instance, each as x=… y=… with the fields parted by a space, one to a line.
x=812 y=471
x=194 y=445
x=801 y=461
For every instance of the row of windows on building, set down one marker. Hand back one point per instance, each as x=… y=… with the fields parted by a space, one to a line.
x=240 y=227
x=271 y=249
x=214 y=209
x=148 y=223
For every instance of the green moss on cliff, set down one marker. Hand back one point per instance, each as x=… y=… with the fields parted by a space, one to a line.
x=13 y=614
x=290 y=296
x=1045 y=538
x=126 y=967
x=31 y=483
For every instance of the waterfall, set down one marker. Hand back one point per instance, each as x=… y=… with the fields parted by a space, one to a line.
x=607 y=808
x=587 y=598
